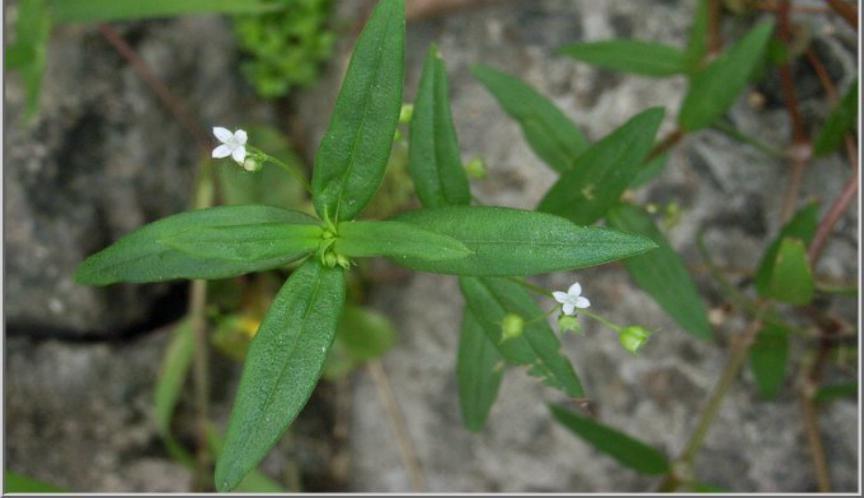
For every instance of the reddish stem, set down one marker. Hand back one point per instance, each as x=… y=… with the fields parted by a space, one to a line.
x=846 y=11
x=826 y=226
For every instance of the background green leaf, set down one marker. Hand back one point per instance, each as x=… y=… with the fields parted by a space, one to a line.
x=140 y=257
x=697 y=41
x=282 y=367
x=623 y=448
x=353 y=154
x=509 y=242
x=489 y=299
x=661 y=272
x=552 y=136
x=434 y=160
x=14 y=482
x=801 y=226
x=363 y=335
x=714 y=89
x=118 y=10
x=603 y=172
x=768 y=357
x=169 y=385
x=397 y=240
x=28 y=52
x=479 y=370
x=841 y=120
x=831 y=392
x=630 y=56
x=791 y=279
x=649 y=171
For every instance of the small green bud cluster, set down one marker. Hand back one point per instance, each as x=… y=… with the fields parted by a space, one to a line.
x=476 y=168
x=512 y=327
x=633 y=337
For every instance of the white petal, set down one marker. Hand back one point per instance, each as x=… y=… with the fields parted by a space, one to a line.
x=239 y=154
x=561 y=297
x=582 y=302
x=575 y=289
x=223 y=134
x=240 y=137
x=221 y=151
x=569 y=309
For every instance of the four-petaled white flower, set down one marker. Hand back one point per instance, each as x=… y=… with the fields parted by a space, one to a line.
x=572 y=299
x=233 y=144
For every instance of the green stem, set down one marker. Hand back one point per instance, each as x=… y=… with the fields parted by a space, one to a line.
x=284 y=166
x=614 y=327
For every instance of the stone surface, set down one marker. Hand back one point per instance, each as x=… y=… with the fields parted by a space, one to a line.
x=105 y=157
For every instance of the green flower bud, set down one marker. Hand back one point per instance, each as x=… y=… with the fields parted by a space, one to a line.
x=329 y=260
x=511 y=327
x=569 y=324
x=633 y=337
x=476 y=168
x=406 y=113
x=342 y=261
x=252 y=164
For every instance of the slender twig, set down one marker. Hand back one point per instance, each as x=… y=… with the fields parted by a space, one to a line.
x=826 y=226
x=814 y=440
x=846 y=11
x=174 y=105
x=715 y=40
x=406 y=445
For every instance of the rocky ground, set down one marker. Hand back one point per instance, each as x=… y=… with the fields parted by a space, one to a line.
x=103 y=157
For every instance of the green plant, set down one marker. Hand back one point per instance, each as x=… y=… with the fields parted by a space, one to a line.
x=285 y=47
x=488 y=247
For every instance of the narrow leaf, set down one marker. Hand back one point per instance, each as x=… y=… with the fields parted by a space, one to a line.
x=627 y=451
x=509 y=242
x=282 y=367
x=28 y=52
x=791 y=279
x=489 y=300
x=801 y=226
x=353 y=154
x=397 y=240
x=251 y=242
x=117 y=10
x=479 y=369
x=841 y=120
x=662 y=273
x=835 y=391
x=768 y=357
x=603 y=172
x=140 y=257
x=714 y=89
x=552 y=136
x=630 y=56
x=169 y=384
x=434 y=161
x=14 y=482
x=255 y=481
x=649 y=171
x=697 y=42
x=365 y=333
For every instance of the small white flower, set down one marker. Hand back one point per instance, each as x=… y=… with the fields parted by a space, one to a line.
x=233 y=144
x=572 y=299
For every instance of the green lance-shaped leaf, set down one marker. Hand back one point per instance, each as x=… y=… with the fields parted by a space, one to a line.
x=142 y=256
x=627 y=451
x=801 y=226
x=353 y=154
x=714 y=89
x=397 y=240
x=630 y=56
x=650 y=170
x=661 y=272
x=697 y=42
x=433 y=160
x=28 y=52
x=552 y=136
x=839 y=122
x=117 y=10
x=791 y=279
x=169 y=385
x=768 y=357
x=537 y=347
x=14 y=482
x=282 y=367
x=603 y=172
x=258 y=242
x=836 y=391
x=479 y=369
x=511 y=242
x=255 y=481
